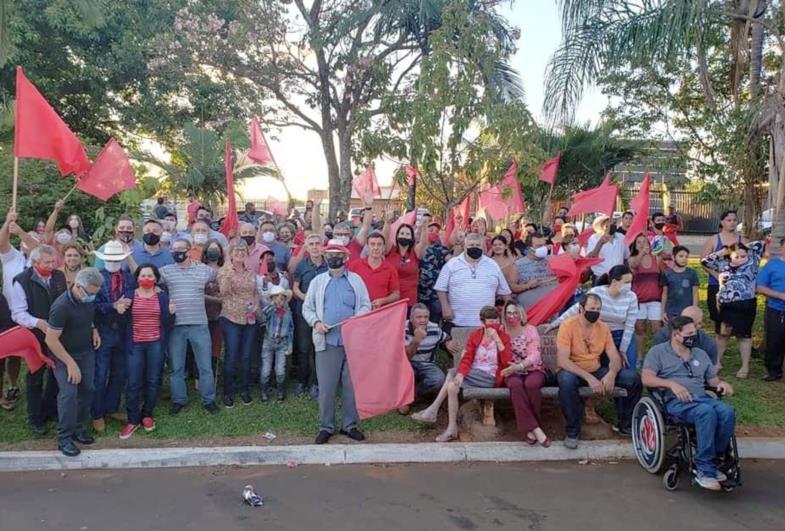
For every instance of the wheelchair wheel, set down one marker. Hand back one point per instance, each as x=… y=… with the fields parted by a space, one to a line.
x=671 y=478
x=648 y=435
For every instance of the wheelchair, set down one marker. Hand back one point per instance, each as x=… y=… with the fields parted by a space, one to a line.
x=662 y=442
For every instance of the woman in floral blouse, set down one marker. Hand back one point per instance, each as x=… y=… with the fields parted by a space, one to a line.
x=525 y=376
x=736 y=296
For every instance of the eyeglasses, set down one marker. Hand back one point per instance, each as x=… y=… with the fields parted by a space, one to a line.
x=689 y=368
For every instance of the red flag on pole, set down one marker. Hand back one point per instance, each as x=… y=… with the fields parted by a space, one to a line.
x=411 y=175
x=450 y=228
x=381 y=374
x=260 y=151
x=640 y=221
x=366 y=184
x=39 y=133
x=231 y=221
x=21 y=342
x=550 y=169
x=515 y=202
x=568 y=271
x=600 y=199
x=111 y=173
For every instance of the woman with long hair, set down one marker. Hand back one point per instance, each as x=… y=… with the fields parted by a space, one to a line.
x=213 y=256
x=404 y=253
x=726 y=237
x=500 y=253
x=646 y=271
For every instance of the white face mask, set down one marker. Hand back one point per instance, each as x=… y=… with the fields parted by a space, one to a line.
x=344 y=240
x=113 y=267
x=268 y=237
x=541 y=252
x=574 y=249
x=625 y=288
x=200 y=239
x=62 y=238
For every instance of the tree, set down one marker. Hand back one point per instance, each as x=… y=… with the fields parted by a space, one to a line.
x=324 y=66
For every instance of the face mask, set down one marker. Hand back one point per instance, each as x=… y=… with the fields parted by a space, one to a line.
x=513 y=320
x=541 y=252
x=213 y=255
x=344 y=240
x=166 y=237
x=574 y=249
x=62 y=238
x=87 y=297
x=113 y=267
x=404 y=242
x=433 y=237
x=200 y=239
x=624 y=289
x=147 y=283
x=689 y=341
x=180 y=256
x=659 y=226
x=43 y=272
x=328 y=235
x=591 y=316
x=151 y=238
x=250 y=240
x=474 y=253
x=268 y=237
x=335 y=262
x=125 y=236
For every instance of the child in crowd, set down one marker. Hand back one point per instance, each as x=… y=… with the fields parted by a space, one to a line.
x=278 y=339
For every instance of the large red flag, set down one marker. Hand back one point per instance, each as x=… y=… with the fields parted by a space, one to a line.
x=21 y=342
x=231 y=221
x=450 y=228
x=39 y=133
x=366 y=184
x=606 y=181
x=381 y=374
x=568 y=271
x=492 y=202
x=640 y=221
x=260 y=151
x=550 y=169
x=600 y=199
x=510 y=180
x=111 y=173
x=463 y=210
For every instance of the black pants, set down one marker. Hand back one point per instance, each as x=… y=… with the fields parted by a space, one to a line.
x=41 y=392
x=303 y=348
x=775 y=341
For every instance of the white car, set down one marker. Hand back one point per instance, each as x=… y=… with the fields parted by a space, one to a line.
x=762 y=224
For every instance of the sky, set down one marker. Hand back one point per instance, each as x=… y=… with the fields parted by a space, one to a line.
x=299 y=154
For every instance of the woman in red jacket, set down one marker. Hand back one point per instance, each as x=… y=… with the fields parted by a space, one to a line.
x=487 y=354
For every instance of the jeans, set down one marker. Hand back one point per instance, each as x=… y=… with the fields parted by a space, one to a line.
x=73 y=400
x=572 y=405
x=303 y=347
x=199 y=338
x=775 y=341
x=145 y=364
x=41 y=394
x=428 y=378
x=274 y=352
x=714 y=422
x=239 y=341
x=110 y=373
x=332 y=369
x=526 y=399
x=632 y=351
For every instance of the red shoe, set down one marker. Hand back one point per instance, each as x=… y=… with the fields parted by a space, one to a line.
x=128 y=430
x=148 y=424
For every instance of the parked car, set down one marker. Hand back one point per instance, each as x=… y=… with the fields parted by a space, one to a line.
x=762 y=224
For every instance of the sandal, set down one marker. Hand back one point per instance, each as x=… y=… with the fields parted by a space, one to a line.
x=546 y=443
x=742 y=374
x=447 y=437
x=420 y=416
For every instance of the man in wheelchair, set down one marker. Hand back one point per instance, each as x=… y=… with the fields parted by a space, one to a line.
x=684 y=371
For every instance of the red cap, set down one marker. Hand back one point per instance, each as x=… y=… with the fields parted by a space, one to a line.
x=336 y=246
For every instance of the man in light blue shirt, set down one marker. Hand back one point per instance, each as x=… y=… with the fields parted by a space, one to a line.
x=771 y=283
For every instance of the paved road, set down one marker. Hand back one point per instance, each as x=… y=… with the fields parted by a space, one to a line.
x=520 y=496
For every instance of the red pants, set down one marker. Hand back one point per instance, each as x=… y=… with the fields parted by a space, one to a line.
x=526 y=399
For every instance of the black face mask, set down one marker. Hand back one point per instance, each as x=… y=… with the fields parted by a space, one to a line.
x=690 y=341
x=125 y=236
x=474 y=252
x=250 y=240
x=151 y=238
x=404 y=242
x=659 y=226
x=213 y=255
x=335 y=262
x=328 y=235
x=180 y=256
x=591 y=316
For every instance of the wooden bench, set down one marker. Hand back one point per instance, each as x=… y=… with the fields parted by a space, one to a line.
x=487 y=396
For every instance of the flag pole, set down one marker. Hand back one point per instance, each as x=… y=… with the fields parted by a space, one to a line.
x=16 y=184
x=70 y=191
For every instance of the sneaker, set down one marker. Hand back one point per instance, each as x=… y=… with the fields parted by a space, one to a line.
x=211 y=408
x=228 y=402
x=68 y=448
x=82 y=437
x=299 y=389
x=314 y=393
x=323 y=437
x=708 y=482
x=148 y=424
x=264 y=397
x=13 y=394
x=176 y=408
x=354 y=434
x=39 y=430
x=246 y=399
x=571 y=443
x=772 y=377
x=99 y=425
x=280 y=394
x=721 y=476
x=128 y=430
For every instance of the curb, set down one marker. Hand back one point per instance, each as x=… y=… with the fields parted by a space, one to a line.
x=339 y=454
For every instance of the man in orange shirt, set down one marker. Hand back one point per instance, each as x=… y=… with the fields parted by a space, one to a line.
x=580 y=345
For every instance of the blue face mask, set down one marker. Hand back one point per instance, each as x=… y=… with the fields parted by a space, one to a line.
x=88 y=297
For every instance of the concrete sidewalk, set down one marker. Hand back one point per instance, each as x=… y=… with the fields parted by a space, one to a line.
x=337 y=454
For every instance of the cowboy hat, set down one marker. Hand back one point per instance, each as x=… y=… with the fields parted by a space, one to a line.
x=113 y=252
x=278 y=290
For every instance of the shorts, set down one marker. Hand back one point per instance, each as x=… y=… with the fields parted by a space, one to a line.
x=650 y=311
x=477 y=378
x=739 y=315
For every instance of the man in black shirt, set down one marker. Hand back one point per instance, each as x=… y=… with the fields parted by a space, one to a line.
x=72 y=339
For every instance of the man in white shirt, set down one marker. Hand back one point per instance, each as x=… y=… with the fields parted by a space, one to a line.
x=607 y=244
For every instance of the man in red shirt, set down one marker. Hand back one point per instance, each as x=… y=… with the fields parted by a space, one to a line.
x=379 y=276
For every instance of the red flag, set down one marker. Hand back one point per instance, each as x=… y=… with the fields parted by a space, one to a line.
x=606 y=181
x=568 y=271
x=583 y=237
x=463 y=210
x=450 y=228
x=515 y=201
x=264 y=269
x=550 y=169
x=111 y=173
x=600 y=199
x=260 y=151
x=492 y=202
x=411 y=175
x=381 y=374
x=231 y=221
x=21 y=342
x=39 y=133
x=366 y=184
x=280 y=208
x=640 y=221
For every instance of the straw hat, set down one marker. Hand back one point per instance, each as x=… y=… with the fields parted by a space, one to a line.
x=278 y=290
x=113 y=252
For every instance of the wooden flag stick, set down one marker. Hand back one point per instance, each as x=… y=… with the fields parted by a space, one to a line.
x=16 y=183
x=70 y=192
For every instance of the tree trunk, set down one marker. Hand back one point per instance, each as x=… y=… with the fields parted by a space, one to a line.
x=756 y=49
x=343 y=188
x=777 y=178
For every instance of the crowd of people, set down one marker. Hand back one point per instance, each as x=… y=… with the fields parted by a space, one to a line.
x=266 y=304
